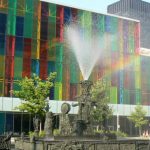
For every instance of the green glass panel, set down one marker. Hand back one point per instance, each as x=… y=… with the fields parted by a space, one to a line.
x=29 y=5
x=131 y=44
x=52 y=11
x=131 y=38
x=137 y=63
x=18 y=68
x=20 y=7
x=114 y=27
x=101 y=24
x=52 y=53
x=113 y=95
x=11 y=18
x=16 y=86
x=74 y=73
x=1 y=88
x=87 y=19
x=2 y=66
x=52 y=32
x=81 y=17
x=114 y=43
x=137 y=80
x=59 y=53
x=28 y=25
x=34 y=52
x=58 y=91
x=138 y=96
x=126 y=96
x=28 y=19
x=35 y=28
x=59 y=69
x=101 y=29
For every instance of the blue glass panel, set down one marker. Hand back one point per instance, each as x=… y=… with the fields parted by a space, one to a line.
x=108 y=24
x=19 y=46
x=19 y=26
x=2 y=44
x=51 y=67
x=67 y=15
x=3 y=23
x=51 y=97
x=2 y=122
x=35 y=66
x=9 y=123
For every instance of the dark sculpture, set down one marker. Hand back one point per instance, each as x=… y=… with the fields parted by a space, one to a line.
x=83 y=122
x=84 y=101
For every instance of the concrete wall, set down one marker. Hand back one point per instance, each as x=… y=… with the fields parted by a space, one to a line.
x=9 y=104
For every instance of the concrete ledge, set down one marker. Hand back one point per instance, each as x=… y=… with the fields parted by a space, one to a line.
x=88 y=144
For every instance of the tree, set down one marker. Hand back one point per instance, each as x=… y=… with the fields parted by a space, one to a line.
x=137 y=117
x=100 y=97
x=34 y=91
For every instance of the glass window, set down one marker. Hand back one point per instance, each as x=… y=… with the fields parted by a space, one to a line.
x=9 y=123
x=17 y=124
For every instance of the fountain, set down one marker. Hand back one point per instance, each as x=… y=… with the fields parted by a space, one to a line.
x=87 y=49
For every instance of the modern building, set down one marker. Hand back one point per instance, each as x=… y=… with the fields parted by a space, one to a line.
x=136 y=9
x=32 y=41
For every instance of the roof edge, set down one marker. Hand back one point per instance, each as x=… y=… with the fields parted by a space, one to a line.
x=91 y=10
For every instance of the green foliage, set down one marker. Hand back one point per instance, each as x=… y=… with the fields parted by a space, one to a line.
x=137 y=117
x=34 y=92
x=100 y=97
x=56 y=132
x=117 y=133
x=31 y=134
x=42 y=134
x=120 y=133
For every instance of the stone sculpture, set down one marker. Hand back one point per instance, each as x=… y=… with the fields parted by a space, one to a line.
x=48 y=126
x=36 y=122
x=64 y=124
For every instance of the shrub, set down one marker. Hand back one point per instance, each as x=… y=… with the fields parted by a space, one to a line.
x=42 y=134
x=56 y=132
x=117 y=133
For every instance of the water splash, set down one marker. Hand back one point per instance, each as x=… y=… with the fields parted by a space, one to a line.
x=87 y=48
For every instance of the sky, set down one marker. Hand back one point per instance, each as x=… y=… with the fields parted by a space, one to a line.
x=95 y=5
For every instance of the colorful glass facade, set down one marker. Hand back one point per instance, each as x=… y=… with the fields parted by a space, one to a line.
x=32 y=41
